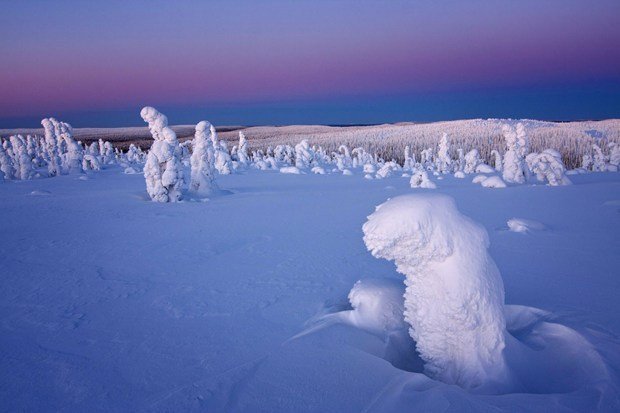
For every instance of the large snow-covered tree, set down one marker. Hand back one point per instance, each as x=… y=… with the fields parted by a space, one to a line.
x=163 y=171
x=454 y=297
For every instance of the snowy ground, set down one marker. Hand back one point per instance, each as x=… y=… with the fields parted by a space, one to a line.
x=110 y=302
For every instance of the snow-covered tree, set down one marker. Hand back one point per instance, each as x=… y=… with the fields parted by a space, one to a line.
x=497 y=160
x=304 y=155
x=599 y=163
x=361 y=157
x=409 y=162
x=460 y=163
x=472 y=160
x=22 y=162
x=72 y=159
x=202 y=162
x=443 y=163
x=242 y=150
x=614 y=156
x=54 y=164
x=548 y=166
x=420 y=179
x=6 y=165
x=454 y=297
x=223 y=161
x=426 y=159
x=107 y=154
x=514 y=170
x=163 y=171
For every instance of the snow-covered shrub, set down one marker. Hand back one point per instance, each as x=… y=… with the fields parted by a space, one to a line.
x=443 y=163
x=72 y=159
x=409 y=162
x=493 y=182
x=514 y=170
x=290 y=170
x=107 y=154
x=202 y=162
x=420 y=179
x=524 y=225
x=304 y=155
x=361 y=157
x=472 y=160
x=454 y=292
x=242 y=150
x=459 y=174
x=387 y=170
x=426 y=159
x=548 y=166
x=369 y=168
x=483 y=168
x=284 y=154
x=599 y=161
x=223 y=161
x=343 y=158
x=163 y=171
x=90 y=163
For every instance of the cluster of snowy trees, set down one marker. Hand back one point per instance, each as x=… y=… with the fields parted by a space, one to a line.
x=207 y=156
x=512 y=161
x=571 y=139
x=58 y=153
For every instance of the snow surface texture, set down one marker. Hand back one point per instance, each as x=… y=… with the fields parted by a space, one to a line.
x=112 y=303
x=455 y=296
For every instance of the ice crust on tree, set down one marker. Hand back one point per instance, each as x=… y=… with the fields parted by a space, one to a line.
x=454 y=292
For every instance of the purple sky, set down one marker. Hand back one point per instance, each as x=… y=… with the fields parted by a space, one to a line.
x=81 y=56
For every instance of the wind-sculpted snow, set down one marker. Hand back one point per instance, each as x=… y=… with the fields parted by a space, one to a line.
x=455 y=296
x=250 y=302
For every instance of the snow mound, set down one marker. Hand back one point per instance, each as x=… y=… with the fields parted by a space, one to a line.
x=454 y=296
x=420 y=179
x=377 y=305
x=459 y=174
x=479 y=178
x=524 y=225
x=493 y=182
x=290 y=170
x=369 y=176
x=318 y=170
x=483 y=168
x=347 y=172
x=40 y=192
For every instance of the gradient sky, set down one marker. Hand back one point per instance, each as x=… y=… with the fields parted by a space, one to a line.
x=95 y=63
